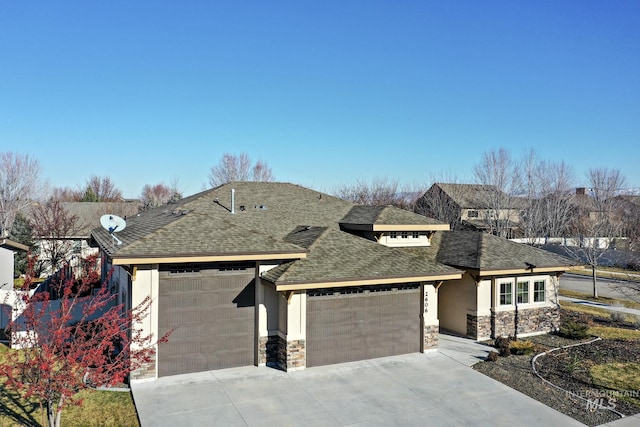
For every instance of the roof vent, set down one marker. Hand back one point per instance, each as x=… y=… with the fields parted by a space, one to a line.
x=233 y=201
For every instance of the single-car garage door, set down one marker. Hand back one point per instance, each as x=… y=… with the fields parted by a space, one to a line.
x=349 y=324
x=211 y=309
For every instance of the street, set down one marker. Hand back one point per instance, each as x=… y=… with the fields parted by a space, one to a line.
x=611 y=288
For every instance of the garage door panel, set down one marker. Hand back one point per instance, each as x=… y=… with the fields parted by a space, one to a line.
x=358 y=326
x=213 y=317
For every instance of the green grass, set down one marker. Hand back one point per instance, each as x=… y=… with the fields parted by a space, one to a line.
x=100 y=408
x=623 y=377
x=607 y=332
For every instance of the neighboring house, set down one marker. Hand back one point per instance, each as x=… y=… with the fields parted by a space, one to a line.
x=7 y=292
x=7 y=251
x=472 y=207
x=87 y=216
x=263 y=273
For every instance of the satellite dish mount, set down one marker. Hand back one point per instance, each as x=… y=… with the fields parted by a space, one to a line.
x=113 y=224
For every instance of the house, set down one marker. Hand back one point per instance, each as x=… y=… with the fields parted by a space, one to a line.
x=69 y=241
x=7 y=250
x=7 y=291
x=263 y=273
x=508 y=288
x=472 y=207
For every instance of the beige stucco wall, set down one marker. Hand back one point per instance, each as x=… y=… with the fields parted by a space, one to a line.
x=455 y=299
x=6 y=269
x=145 y=283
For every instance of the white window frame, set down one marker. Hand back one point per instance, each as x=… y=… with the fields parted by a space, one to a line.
x=510 y=293
x=536 y=292
x=523 y=297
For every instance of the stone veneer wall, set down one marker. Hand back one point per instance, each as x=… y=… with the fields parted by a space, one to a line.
x=533 y=320
x=146 y=371
x=296 y=354
x=478 y=327
x=272 y=351
x=275 y=351
x=431 y=336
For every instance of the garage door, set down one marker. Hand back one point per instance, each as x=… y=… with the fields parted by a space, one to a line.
x=349 y=324
x=212 y=311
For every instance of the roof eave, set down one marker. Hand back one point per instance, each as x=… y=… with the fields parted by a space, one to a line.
x=520 y=271
x=224 y=257
x=294 y=286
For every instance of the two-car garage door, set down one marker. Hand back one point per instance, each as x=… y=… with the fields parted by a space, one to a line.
x=212 y=311
x=349 y=324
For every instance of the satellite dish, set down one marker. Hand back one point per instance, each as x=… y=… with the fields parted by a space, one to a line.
x=113 y=223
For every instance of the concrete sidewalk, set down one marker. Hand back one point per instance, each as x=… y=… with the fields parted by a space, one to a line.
x=436 y=388
x=600 y=305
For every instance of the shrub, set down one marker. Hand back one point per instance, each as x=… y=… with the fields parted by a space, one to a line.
x=522 y=347
x=492 y=356
x=574 y=330
x=618 y=316
x=503 y=344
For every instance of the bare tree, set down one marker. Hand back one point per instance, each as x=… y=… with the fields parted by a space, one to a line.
x=157 y=195
x=101 y=189
x=499 y=170
x=547 y=208
x=19 y=176
x=53 y=226
x=238 y=168
x=438 y=204
x=596 y=225
x=380 y=191
x=66 y=194
x=262 y=172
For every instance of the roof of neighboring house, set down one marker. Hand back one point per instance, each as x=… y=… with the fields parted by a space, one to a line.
x=478 y=196
x=272 y=220
x=489 y=254
x=89 y=213
x=387 y=218
x=468 y=195
x=14 y=246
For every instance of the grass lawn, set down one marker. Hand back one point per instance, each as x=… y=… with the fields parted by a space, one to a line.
x=621 y=377
x=100 y=408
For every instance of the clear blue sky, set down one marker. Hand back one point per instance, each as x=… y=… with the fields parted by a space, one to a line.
x=326 y=92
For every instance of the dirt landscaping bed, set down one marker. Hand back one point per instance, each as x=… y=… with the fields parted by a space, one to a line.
x=605 y=372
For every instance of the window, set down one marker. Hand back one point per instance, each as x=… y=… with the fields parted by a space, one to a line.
x=539 y=291
x=523 y=292
x=505 y=293
x=393 y=235
x=472 y=214
x=416 y=235
x=405 y=234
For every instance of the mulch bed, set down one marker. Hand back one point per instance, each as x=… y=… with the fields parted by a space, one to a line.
x=569 y=369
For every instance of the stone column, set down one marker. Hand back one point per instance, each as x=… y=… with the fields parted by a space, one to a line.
x=296 y=352
x=430 y=324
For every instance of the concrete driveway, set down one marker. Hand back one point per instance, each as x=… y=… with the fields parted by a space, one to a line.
x=436 y=388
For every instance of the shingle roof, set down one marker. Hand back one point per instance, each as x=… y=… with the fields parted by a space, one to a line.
x=385 y=215
x=468 y=195
x=484 y=251
x=339 y=256
x=269 y=218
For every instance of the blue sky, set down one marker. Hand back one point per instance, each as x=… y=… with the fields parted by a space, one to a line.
x=325 y=92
